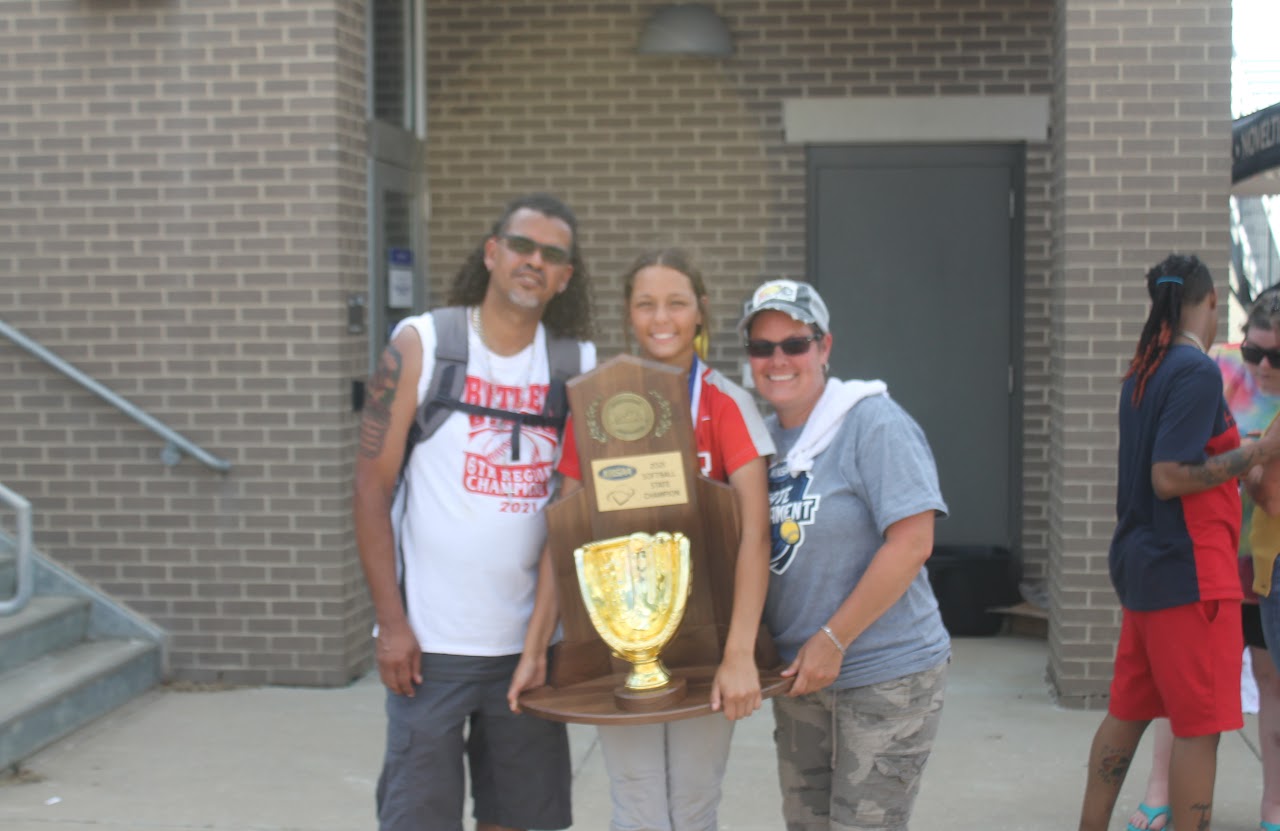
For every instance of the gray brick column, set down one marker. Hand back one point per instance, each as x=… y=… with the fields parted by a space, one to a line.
x=1141 y=165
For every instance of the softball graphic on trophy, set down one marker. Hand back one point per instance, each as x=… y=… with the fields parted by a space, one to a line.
x=635 y=589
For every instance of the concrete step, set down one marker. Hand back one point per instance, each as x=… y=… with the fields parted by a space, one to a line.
x=47 y=624
x=1024 y=619
x=49 y=697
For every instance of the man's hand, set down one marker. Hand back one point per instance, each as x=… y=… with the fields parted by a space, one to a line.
x=530 y=672
x=736 y=688
x=399 y=658
x=816 y=667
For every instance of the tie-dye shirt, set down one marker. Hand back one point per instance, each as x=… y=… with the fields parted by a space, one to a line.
x=1253 y=410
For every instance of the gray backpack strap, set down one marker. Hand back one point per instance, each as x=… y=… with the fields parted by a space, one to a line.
x=564 y=358
x=449 y=375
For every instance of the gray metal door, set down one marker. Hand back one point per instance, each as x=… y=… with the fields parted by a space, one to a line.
x=917 y=251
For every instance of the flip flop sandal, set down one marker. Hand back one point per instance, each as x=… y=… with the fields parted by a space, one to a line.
x=1153 y=814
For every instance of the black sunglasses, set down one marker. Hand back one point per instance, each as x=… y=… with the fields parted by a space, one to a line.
x=790 y=346
x=1254 y=354
x=551 y=254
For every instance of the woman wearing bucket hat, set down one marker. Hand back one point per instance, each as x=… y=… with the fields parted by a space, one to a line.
x=853 y=496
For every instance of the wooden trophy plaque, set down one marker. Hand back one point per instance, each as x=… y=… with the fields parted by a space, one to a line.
x=640 y=473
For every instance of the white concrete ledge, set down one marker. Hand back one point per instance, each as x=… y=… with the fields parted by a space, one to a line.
x=949 y=119
x=1266 y=183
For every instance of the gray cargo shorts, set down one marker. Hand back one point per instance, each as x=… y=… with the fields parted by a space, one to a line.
x=519 y=765
x=852 y=759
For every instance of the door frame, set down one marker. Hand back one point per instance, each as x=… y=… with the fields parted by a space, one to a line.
x=385 y=177
x=396 y=154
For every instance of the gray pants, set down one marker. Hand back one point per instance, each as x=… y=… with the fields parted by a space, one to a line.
x=851 y=760
x=666 y=777
x=520 y=769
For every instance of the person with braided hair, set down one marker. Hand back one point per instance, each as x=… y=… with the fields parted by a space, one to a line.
x=1251 y=384
x=1173 y=553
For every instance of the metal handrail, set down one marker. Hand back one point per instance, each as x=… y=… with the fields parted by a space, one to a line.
x=176 y=443
x=26 y=575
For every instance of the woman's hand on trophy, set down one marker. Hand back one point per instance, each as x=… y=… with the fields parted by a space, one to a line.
x=399 y=657
x=530 y=672
x=736 y=688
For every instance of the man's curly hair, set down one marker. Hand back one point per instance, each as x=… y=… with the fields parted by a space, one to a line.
x=569 y=313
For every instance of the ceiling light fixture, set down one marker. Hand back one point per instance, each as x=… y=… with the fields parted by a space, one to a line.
x=686 y=29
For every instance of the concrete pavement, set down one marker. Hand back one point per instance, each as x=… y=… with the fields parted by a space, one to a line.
x=282 y=759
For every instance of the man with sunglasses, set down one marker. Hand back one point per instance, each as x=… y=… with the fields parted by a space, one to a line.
x=453 y=574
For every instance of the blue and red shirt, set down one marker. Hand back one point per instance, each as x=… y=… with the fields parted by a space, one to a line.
x=1170 y=552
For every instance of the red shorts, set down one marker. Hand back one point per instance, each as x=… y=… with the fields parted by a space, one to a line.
x=1182 y=664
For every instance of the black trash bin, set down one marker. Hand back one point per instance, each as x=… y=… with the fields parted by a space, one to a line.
x=968 y=580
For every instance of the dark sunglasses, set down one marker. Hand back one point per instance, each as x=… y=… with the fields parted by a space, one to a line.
x=790 y=346
x=551 y=254
x=1254 y=354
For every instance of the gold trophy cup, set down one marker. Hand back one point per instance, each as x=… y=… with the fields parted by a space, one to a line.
x=635 y=589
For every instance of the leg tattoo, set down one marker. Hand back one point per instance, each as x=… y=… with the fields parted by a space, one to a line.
x=1114 y=764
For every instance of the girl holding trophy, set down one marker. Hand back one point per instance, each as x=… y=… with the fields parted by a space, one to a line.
x=667 y=776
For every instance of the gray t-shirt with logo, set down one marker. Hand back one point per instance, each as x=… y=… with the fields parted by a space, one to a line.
x=829 y=523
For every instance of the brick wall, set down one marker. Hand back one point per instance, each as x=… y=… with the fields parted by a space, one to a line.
x=1141 y=160
x=663 y=150
x=181 y=215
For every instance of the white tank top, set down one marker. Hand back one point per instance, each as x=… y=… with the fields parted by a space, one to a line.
x=473 y=528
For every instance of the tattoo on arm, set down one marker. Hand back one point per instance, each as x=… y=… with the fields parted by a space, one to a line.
x=377 y=407
x=1219 y=469
x=1205 y=814
x=1114 y=765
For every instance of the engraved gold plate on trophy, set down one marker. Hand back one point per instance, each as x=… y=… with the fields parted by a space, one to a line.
x=654 y=480
x=635 y=589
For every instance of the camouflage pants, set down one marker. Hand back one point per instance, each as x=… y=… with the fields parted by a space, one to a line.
x=852 y=759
